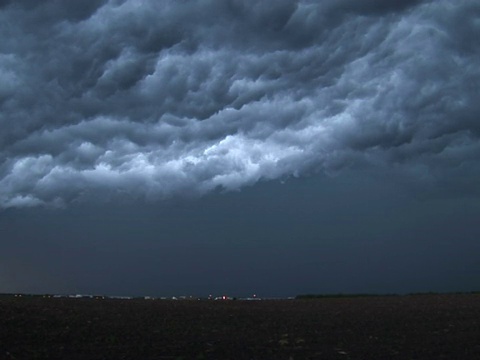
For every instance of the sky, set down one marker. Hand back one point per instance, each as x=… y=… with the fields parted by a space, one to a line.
x=237 y=146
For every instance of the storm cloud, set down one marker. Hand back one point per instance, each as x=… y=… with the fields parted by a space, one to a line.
x=151 y=99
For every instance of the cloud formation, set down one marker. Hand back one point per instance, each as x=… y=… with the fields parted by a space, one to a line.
x=139 y=98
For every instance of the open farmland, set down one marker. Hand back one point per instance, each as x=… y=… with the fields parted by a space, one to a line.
x=396 y=327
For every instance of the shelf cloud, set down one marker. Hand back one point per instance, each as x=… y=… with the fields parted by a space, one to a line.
x=152 y=99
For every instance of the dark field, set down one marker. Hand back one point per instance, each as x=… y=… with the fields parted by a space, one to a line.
x=397 y=327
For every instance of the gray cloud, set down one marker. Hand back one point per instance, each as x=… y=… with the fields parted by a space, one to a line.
x=108 y=99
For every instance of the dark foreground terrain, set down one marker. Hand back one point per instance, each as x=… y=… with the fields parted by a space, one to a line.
x=397 y=327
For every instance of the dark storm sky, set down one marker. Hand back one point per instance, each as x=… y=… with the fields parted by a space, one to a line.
x=278 y=147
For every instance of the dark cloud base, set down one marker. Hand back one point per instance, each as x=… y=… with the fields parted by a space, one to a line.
x=359 y=232
x=129 y=99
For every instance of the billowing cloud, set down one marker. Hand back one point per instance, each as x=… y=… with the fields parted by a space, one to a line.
x=139 y=98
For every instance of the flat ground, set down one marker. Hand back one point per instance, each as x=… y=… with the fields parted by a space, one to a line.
x=397 y=327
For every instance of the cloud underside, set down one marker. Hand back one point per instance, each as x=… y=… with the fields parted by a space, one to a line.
x=151 y=99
